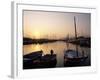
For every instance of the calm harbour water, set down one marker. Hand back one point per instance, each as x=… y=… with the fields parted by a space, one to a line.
x=58 y=48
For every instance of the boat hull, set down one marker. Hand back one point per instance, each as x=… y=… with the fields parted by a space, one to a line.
x=70 y=59
x=36 y=60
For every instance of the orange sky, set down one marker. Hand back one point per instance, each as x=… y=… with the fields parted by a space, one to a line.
x=42 y=24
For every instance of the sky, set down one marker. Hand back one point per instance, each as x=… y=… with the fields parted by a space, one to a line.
x=55 y=25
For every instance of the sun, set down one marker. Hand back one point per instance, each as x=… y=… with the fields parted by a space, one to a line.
x=37 y=35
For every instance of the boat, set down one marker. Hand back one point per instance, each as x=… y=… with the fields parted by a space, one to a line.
x=74 y=57
x=32 y=59
x=72 y=54
x=34 y=55
x=49 y=60
x=38 y=60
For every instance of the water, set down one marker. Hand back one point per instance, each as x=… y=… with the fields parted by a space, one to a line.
x=58 y=48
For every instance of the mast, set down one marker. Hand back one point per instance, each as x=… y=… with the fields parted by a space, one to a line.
x=75 y=28
x=67 y=41
x=76 y=35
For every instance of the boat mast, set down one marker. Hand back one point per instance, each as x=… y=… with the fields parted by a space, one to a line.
x=67 y=41
x=76 y=35
x=75 y=28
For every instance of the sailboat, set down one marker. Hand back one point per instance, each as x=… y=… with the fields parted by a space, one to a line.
x=73 y=57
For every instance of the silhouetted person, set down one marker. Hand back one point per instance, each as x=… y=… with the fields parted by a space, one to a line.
x=51 y=52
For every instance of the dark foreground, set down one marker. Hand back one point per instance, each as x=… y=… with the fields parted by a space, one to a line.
x=38 y=60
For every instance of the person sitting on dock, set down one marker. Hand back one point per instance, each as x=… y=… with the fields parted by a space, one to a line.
x=51 y=52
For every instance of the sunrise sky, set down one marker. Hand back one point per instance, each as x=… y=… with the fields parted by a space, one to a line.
x=42 y=24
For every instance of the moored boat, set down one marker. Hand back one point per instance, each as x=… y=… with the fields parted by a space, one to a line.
x=74 y=57
x=38 y=60
x=49 y=60
x=34 y=55
x=32 y=59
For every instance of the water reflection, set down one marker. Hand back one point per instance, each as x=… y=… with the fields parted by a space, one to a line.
x=58 y=48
